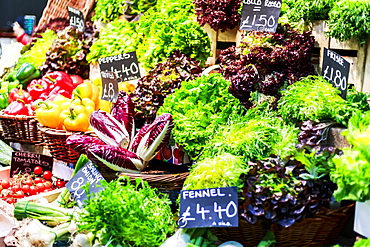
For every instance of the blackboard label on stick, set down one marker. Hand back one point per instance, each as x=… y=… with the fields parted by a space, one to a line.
x=216 y=207
x=109 y=86
x=335 y=69
x=76 y=19
x=25 y=162
x=260 y=15
x=125 y=66
x=88 y=174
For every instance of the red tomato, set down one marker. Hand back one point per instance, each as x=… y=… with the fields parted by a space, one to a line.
x=48 y=184
x=40 y=187
x=47 y=175
x=29 y=182
x=60 y=183
x=33 y=190
x=5 y=184
x=11 y=200
x=5 y=193
x=26 y=188
x=37 y=180
x=37 y=170
x=16 y=188
x=19 y=194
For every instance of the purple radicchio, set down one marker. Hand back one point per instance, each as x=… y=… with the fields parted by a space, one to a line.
x=109 y=129
x=124 y=111
x=116 y=158
x=80 y=143
x=151 y=138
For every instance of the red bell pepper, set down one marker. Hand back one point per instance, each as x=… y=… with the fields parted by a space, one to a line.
x=17 y=107
x=59 y=91
x=19 y=93
x=59 y=79
x=37 y=87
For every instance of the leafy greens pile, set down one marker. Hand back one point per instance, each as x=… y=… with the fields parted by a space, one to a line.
x=253 y=137
x=161 y=81
x=164 y=28
x=350 y=19
x=219 y=15
x=198 y=109
x=222 y=170
x=314 y=98
x=350 y=170
x=266 y=62
x=109 y=215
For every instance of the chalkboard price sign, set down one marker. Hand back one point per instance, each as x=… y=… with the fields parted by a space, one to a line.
x=109 y=86
x=76 y=19
x=335 y=69
x=260 y=15
x=25 y=162
x=88 y=174
x=125 y=66
x=216 y=207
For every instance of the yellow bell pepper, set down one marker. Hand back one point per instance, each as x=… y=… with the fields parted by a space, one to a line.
x=105 y=105
x=87 y=89
x=126 y=86
x=62 y=101
x=75 y=119
x=86 y=102
x=48 y=114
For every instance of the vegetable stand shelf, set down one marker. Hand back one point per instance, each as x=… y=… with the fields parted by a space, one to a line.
x=20 y=128
x=318 y=231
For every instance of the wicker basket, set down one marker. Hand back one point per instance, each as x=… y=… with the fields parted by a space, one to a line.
x=162 y=175
x=20 y=128
x=58 y=8
x=55 y=142
x=318 y=231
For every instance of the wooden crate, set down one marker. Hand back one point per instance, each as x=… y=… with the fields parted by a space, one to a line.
x=217 y=37
x=350 y=50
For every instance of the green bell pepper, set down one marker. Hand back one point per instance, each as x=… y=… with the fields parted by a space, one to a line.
x=11 y=76
x=4 y=100
x=12 y=84
x=26 y=73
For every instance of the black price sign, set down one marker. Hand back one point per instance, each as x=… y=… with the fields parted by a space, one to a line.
x=76 y=186
x=110 y=86
x=76 y=19
x=260 y=15
x=125 y=66
x=25 y=162
x=335 y=69
x=216 y=207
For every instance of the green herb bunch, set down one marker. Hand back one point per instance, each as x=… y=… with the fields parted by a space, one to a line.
x=128 y=214
x=222 y=170
x=350 y=171
x=253 y=138
x=313 y=98
x=199 y=108
x=350 y=19
x=108 y=10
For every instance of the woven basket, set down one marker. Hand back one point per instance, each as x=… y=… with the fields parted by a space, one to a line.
x=162 y=175
x=318 y=231
x=55 y=141
x=20 y=128
x=58 y=8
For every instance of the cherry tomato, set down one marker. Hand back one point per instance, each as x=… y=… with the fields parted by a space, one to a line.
x=11 y=200
x=47 y=175
x=47 y=184
x=5 y=184
x=26 y=188
x=4 y=193
x=19 y=194
x=60 y=183
x=37 y=180
x=28 y=181
x=33 y=190
x=16 y=188
x=37 y=170
x=40 y=187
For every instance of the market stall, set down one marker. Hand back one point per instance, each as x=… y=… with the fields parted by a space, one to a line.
x=187 y=123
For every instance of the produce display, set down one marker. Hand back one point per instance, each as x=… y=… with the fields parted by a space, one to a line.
x=257 y=121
